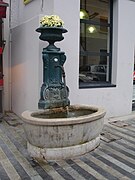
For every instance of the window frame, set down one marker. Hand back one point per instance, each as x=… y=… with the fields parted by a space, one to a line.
x=109 y=24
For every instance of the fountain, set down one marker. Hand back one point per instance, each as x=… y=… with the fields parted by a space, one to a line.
x=59 y=130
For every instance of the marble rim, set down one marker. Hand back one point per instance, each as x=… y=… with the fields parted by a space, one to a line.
x=100 y=113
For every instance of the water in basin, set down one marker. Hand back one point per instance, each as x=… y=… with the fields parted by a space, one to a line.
x=63 y=113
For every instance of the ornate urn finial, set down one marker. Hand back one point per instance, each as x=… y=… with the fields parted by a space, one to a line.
x=51 y=30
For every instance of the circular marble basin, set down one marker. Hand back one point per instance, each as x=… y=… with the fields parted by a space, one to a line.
x=63 y=133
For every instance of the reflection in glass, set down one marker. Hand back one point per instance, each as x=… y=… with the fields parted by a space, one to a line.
x=93 y=39
x=94 y=69
x=96 y=9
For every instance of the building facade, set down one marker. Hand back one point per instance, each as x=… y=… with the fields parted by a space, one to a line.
x=111 y=48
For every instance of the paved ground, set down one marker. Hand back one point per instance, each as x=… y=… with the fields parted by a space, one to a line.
x=113 y=159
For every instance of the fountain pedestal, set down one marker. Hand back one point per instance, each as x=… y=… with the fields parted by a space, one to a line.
x=54 y=92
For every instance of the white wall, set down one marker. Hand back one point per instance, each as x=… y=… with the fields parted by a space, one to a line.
x=21 y=13
x=27 y=66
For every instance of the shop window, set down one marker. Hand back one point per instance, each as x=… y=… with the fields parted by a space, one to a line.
x=95 y=43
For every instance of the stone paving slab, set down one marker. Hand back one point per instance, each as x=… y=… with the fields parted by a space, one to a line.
x=113 y=159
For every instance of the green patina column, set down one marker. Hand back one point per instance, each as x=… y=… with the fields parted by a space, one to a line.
x=54 y=92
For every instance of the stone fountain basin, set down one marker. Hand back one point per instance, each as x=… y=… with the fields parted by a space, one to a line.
x=52 y=136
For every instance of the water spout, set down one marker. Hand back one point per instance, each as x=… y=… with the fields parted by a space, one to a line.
x=64 y=82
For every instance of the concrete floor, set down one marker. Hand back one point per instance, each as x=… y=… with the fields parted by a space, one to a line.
x=113 y=159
